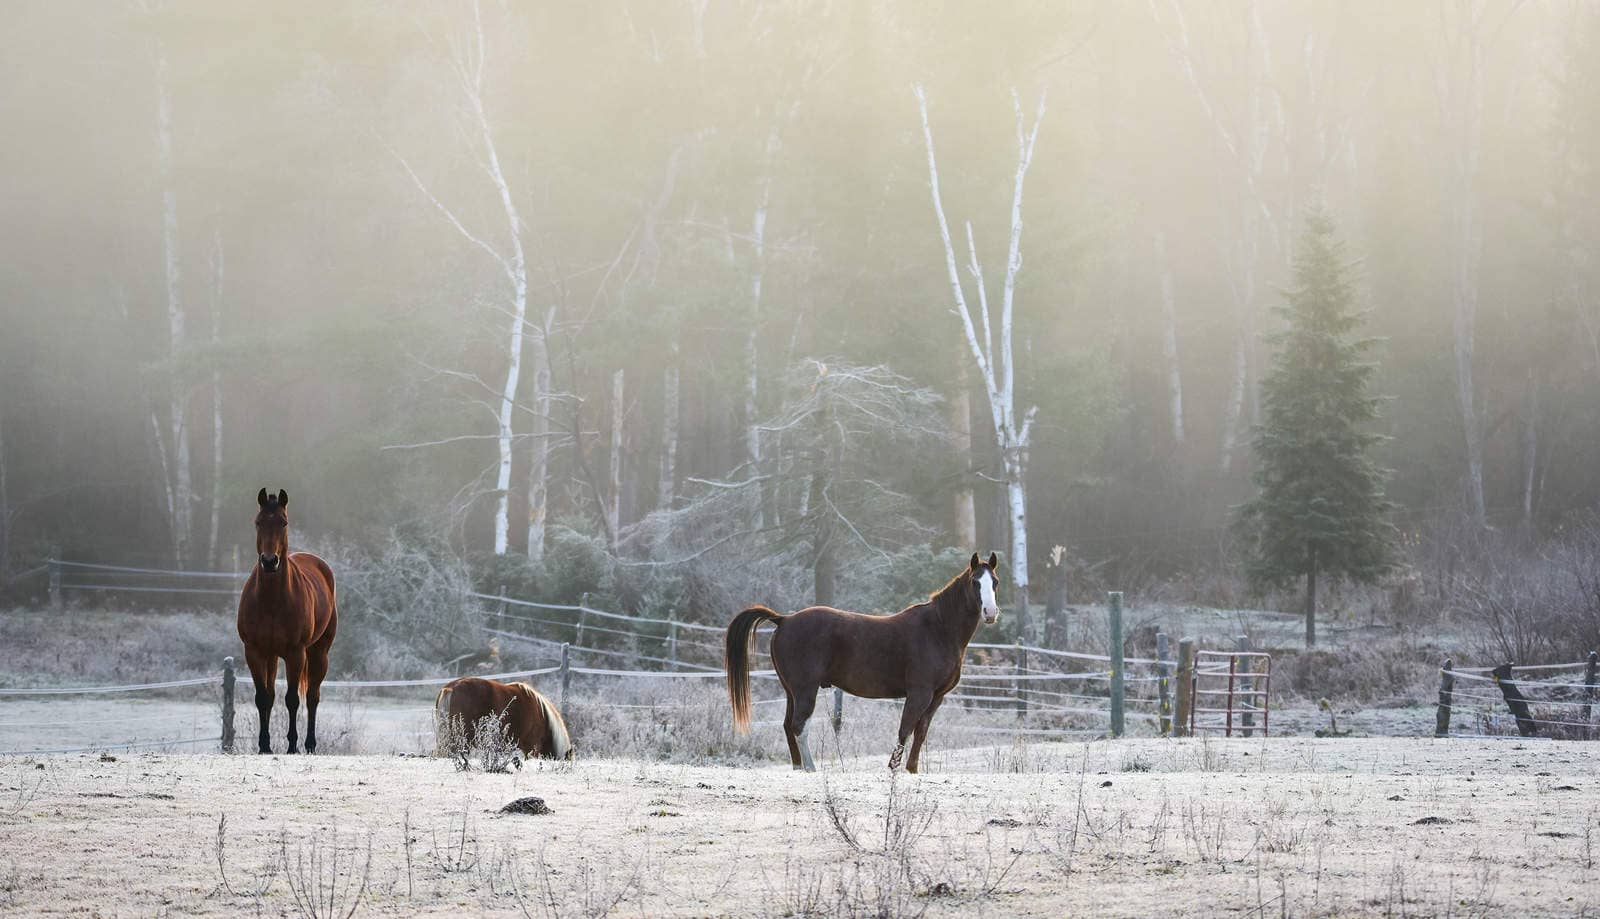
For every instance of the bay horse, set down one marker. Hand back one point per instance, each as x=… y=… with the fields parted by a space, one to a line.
x=530 y=719
x=915 y=654
x=288 y=610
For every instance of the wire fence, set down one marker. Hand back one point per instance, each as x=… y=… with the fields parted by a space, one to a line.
x=1044 y=692
x=1559 y=701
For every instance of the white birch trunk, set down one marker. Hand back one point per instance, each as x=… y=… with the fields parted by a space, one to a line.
x=1169 y=341
x=998 y=372
x=181 y=504
x=667 y=480
x=539 y=467
x=614 y=493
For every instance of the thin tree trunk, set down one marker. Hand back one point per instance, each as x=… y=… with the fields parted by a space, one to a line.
x=1233 y=411
x=1311 y=597
x=1461 y=95
x=752 y=376
x=182 y=485
x=539 y=466
x=1169 y=341
x=5 y=510
x=614 y=490
x=216 y=399
x=1530 y=452
x=964 y=503
x=667 y=482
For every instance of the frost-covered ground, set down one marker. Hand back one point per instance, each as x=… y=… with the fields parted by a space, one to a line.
x=1285 y=826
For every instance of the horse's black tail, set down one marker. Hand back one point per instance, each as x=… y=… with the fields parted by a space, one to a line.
x=736 y=660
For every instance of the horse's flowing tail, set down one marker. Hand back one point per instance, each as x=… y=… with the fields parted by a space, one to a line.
x=557 y=742
x=736 y=660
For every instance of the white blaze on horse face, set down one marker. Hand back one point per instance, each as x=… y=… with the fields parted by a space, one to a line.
x=991 y=607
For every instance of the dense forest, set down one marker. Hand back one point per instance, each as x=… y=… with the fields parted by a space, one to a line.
x=682 y=301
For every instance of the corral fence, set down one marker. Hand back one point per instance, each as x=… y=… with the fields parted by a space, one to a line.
x=1539 y=700
x=1042 y=692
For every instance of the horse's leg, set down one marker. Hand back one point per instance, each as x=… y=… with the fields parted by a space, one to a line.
x=921 y=734
x=805 y=702
x=789 y=734
x=917 y=701
x=263 y=672
x=294 y=668
x=316 y=669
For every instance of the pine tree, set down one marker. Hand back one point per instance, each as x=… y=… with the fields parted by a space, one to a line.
x=1320 y=509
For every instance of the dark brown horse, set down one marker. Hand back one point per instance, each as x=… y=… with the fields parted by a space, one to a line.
x=287 y=611
x=530 y=720
x=915 y=654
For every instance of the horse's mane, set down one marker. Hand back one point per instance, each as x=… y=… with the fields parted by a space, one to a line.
x=949 y=587
x=555 y=727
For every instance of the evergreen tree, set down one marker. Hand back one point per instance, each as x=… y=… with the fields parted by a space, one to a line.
x=1320 y=509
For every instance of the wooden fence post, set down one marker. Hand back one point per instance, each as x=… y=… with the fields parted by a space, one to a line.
x=1183 y=715
x=1247 y=700
x=1164 y=682
x=672 y=642
x=1018 y=666
x=55 y=584
x=227 y=704
x=1447 y=682
x=583 y=612
x=1114 y=600
x=500 y=611
x=838 y=709
x=1589 y=696
x=566 y=671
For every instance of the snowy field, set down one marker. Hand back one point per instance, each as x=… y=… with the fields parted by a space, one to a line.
x=1285 y=826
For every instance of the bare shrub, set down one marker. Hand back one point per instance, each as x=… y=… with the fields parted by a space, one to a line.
x=327 y=876
x=598 y=886
x=263 y=878
x=490 y=740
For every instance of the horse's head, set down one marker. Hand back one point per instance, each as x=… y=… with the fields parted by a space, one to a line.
x=272 y=530
x=982 y=580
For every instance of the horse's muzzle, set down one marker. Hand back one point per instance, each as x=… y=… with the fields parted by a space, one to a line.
x=991 y=618
x=270 y=562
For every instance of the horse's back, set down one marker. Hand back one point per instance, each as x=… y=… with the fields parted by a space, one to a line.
x=864 y=655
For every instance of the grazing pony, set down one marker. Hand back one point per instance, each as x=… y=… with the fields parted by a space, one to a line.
x=288 y=611
x=914 y=654
x=529 y=719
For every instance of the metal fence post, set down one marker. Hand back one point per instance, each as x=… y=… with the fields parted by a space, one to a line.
x=566 y=671
x=1246 y=684
x=1164 y=682
x=1183 y=713
x=55 y=584
x=838 y=709
x=227 y=704
x=1114 y=600
x=1447 y=682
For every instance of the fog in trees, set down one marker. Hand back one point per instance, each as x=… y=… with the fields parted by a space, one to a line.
x=690 y=305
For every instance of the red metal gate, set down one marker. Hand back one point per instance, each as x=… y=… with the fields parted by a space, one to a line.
x=1229 y=679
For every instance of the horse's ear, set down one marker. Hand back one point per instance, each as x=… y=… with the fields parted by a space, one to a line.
x=994 y=562
x=974 y=561
x=261 y=499
x=283 y=498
